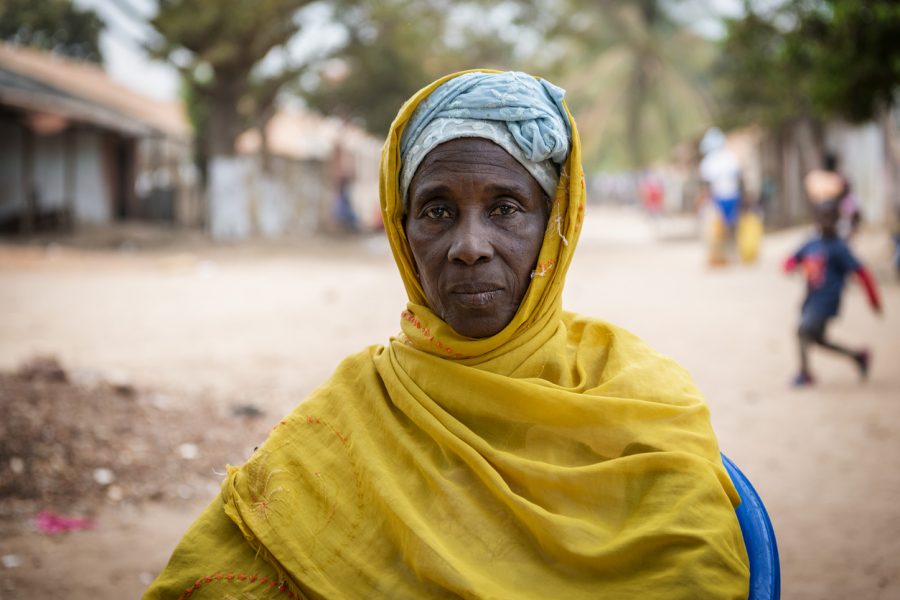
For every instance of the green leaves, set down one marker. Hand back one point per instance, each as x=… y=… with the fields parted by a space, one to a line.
x=394 y=48
x=55 y=25
x=825 y=59
x=219 y=46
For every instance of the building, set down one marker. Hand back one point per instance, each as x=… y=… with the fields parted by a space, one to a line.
x=77 y=148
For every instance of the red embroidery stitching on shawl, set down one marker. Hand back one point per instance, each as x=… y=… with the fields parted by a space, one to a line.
x=279 y=587
x=426 y=333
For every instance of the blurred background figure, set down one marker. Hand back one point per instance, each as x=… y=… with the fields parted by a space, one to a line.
x=895 y=234
x=651 y=188
x=652 y=194
x=720 y=173
x=826 y=261
x=342 y=176
x=850 y=215
x=828 y=184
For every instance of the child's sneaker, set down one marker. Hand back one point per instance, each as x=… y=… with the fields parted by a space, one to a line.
x=802 y=380
x=862 y=362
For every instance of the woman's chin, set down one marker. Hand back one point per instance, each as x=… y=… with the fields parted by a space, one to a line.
x=478 y=323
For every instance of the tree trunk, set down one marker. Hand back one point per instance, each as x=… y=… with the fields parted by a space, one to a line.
x=228 y=196
x=636 y=98
x=225 y=121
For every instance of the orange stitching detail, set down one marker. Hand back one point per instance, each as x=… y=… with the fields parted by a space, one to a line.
x=544 y=267
x=280 y=586
x=426 y=333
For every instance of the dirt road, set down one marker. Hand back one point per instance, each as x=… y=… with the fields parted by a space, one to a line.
x=264 y=323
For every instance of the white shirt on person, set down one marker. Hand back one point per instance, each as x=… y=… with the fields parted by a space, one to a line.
x=722 y=171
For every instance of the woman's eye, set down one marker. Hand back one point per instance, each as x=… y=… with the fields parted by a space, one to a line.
x=437 y=212
x=504 y=210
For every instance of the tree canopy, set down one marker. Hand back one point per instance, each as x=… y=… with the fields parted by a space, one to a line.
x=55 y=25
x=393 y=48
x=635 y=77
x=219 y=46
x=817 y=58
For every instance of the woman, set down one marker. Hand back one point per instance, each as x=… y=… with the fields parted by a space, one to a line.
x=498 y=447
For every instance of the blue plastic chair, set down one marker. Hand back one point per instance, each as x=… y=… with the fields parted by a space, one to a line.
x=759 y=538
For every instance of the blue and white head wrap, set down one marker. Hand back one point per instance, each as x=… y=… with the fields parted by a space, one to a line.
x=523 y=115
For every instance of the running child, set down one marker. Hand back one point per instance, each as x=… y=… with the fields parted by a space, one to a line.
x=826 y=261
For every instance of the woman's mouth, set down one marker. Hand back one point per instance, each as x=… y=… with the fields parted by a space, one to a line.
x=475 y=294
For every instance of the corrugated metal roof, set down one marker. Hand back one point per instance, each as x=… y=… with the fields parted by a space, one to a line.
x=40 y=81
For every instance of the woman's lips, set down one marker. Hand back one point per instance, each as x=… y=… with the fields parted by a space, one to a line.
x=475 y=294
x=476 y=298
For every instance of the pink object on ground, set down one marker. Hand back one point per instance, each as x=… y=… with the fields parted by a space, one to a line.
x=50 y=522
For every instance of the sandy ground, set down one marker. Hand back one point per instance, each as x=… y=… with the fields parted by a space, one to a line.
x=264 y=323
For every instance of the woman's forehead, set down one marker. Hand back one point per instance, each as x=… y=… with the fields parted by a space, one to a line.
x=469 y=155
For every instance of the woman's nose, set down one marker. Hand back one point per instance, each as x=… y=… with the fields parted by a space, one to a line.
x=471 y=242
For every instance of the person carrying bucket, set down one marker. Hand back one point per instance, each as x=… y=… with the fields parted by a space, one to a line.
x=720 y=173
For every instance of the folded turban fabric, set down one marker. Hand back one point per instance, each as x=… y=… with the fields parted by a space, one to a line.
x=520 y=113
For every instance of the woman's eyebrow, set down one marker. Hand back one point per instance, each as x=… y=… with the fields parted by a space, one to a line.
x=430 y=189
x=508 y=187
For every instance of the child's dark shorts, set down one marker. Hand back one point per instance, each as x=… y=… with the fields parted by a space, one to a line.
x=812 y=325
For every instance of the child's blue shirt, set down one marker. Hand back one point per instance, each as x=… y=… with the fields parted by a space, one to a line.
x=826 y=263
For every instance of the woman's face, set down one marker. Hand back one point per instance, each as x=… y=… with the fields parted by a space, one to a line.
x=475 y=224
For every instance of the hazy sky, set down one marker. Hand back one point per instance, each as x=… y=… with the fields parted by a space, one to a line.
x=127 y=63
x=125 y=60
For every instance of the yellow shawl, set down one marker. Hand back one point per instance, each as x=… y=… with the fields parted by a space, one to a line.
x=560 y=458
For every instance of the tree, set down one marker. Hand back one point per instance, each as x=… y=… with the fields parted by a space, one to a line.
x=756 y=80
x=225 y=50
x=55 y=25
x=219 y=46
x=635 y=78
x=393 y=48
x=800 y=64
x=853 y=52
x=822 y=59
x=629 y=69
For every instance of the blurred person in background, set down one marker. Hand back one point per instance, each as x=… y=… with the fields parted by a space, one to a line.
x=498 y=447
x=826 y=260
x=720 y=174
x=652 y=193
x=895 y=235
x=827 y=184
x=342 y=174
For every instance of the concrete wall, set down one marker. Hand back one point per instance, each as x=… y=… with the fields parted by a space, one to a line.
x=862 y=160
x=168 y=182
x=49 y=172
x=230 y=217
x=285 y=197
x=67 y=173
x=12 y=196
x=93 y=200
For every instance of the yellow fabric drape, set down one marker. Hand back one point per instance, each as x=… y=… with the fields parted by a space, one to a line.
x=560 y=458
